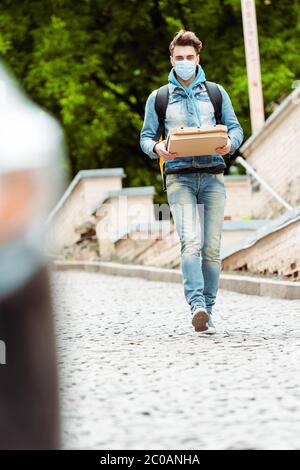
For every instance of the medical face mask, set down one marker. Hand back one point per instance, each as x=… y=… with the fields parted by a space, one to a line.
x=185 y=69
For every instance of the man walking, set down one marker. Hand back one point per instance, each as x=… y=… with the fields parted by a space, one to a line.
x=193 y=182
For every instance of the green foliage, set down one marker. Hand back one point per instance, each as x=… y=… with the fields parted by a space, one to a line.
x=93 y=63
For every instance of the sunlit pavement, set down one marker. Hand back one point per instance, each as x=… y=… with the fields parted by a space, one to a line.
x=134 y=374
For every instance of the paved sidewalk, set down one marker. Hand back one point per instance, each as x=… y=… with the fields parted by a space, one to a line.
x=134 y=374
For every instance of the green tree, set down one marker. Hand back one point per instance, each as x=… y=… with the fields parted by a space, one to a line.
x=93 y=63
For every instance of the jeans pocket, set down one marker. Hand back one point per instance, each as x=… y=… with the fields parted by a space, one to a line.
x=170 y=179
x=220 y=177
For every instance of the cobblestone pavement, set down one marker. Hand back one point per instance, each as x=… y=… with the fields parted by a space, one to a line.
x=134 y=374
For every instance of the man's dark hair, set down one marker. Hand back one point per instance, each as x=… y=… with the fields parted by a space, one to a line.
x=186 y=38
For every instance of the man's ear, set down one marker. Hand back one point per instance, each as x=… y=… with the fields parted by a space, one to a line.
x=198 y=59
x=172 y=61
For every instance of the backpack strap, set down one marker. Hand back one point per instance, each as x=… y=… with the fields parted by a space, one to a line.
x=215 y=97
x=161 y=104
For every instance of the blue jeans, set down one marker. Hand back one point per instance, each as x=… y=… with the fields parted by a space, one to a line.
x=197 y=202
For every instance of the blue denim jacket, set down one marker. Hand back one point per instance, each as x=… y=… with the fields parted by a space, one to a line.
x=181 y=111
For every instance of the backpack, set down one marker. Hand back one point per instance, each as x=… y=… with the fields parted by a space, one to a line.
x=161 y=103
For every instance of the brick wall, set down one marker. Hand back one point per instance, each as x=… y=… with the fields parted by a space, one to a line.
x=277 y=253
x=238 y=197
x=275 y=155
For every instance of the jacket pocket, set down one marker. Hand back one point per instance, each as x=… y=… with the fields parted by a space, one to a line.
x=175 y=116
x=206 y=109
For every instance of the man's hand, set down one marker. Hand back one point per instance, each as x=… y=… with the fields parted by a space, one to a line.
x=226 y=148
x=161 y=149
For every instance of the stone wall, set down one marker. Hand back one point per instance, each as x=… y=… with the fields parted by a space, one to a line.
x=276 y=254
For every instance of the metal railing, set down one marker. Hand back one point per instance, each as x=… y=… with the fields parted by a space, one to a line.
x=250 y=170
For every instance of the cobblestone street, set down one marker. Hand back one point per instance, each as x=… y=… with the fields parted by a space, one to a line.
x=134 y=374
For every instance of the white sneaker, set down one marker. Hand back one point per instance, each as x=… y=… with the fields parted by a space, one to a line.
x=211 y=329
x=200 y=319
